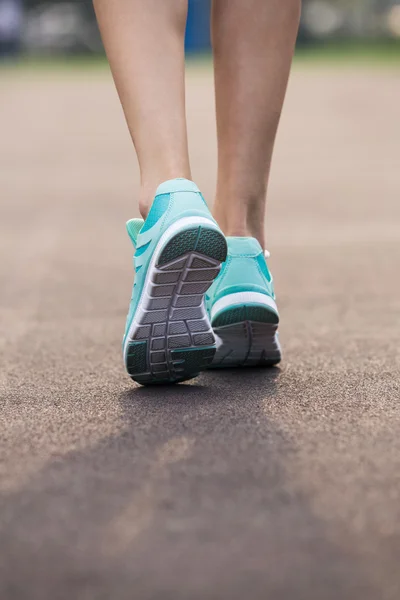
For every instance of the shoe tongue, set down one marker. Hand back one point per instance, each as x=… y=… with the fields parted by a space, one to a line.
x=133 y=228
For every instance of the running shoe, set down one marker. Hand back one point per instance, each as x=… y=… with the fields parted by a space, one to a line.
x=242 y=308
x=179 y=249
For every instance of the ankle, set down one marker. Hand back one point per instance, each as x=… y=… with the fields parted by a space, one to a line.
x=232 y=228
x=146 y=197
x=239 y=220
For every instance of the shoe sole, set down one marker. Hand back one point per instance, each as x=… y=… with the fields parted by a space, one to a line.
x=171 y=338
x=246 y=333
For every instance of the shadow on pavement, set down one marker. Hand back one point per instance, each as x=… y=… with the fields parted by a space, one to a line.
x=189 y=499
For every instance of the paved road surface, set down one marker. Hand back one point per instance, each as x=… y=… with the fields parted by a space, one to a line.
x=280 y=484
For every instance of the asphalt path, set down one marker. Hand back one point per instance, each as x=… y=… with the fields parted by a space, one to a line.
x=279 y=484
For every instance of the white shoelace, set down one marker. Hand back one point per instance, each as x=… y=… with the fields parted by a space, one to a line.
x=267 y=254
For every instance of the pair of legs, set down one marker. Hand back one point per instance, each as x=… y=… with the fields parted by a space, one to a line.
x=253 y=43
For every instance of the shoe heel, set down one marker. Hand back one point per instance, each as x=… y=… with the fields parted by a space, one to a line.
x=246 y=336
x=172 y=339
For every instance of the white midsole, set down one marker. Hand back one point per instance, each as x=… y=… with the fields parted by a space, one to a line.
x=240 y=298
x=166 y=236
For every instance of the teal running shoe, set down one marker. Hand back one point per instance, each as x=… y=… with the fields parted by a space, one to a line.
x=179 y=250
x=242 y=308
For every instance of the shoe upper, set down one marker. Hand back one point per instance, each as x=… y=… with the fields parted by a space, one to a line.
x=174 y=200
x=245 y=270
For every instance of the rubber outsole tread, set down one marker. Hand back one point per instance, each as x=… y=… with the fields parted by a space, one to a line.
x=256 y=313
x=246 y=337
x=136 y=356
x=171 y=339
x=208 y=242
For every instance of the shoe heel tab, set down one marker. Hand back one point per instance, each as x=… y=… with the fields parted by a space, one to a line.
x=177 y=185
x=243 y=246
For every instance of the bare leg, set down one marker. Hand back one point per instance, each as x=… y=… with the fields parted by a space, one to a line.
x=144 y=40
x=253 y=45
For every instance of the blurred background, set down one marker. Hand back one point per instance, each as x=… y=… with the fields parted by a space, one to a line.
x=35 y=27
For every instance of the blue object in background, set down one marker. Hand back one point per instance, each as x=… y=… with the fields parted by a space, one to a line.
x=11 y=22
x=198 y=26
